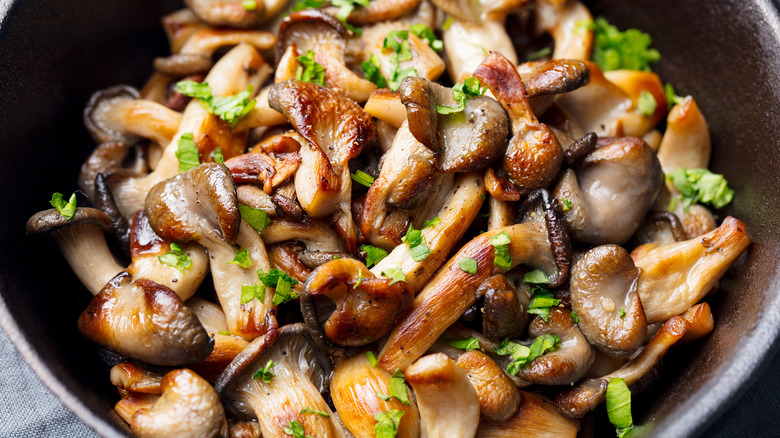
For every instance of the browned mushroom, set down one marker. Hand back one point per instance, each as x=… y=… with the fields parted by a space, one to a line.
x=611 y=192
x=499 y=398
x=686 y=142
x=230 y=13
x=533 y=156
x=467 y=44
x=463 y=141
x=503 y=313
x=604 y=297
x=129 y=377
x=537 y=417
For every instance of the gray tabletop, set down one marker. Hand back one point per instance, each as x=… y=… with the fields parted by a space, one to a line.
x=28 y=409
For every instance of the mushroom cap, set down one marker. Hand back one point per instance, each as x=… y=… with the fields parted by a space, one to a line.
x=188 y=407
x=499 y=397
x=51 y=220
x=178 y=211
x=96 y=111
x=604 y=296
x=503 y=315
x=144 y=320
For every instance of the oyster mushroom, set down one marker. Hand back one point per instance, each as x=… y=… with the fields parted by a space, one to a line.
x=498 y=396
x=659 y=228
x=354 y=388
x=366 y=307
x=336 y=130
x=537 y=417
x=503 y=314
x=698 y=263
x=320 y=239
x=195 y=55
x=262 y=170
x=188 y=407
x=604 y=295
x=381 y=10
x=560 y=19
x=386 y=106
x=461 y=142
x=226 y=346
x=131 y=378
x=108 y=155
x=569 y=362
x=230 y=13
x=686 y=142
x=201 y=205
x=118 y=114
x=448 y=403
x=232 y=74
x=539 y=242
x=325 y=36
x=534 y=155
x=545 y=80
x=296 y=372
x=467 y=44
x=611 y=192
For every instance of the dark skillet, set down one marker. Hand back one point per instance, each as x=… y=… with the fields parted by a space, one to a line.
x=54 y=54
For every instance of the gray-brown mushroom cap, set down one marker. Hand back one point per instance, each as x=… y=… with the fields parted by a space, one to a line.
x=463 y=141
x=51 y=220
x=604 y=296
x=147 y=321
x=95 y=113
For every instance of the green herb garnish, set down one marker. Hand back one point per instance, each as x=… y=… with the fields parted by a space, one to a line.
x=309 y=70
x=646 y=103
x=671 y=97
x=426 y=34
x=387 y=423
x=619 y=407
x=536 y=277
x=395 y=274
x=614 y=50
x=371 y=359
x=372 y=73
x=398 y=387
x=502 y=257
x=542 y=301
x=217 y=156
x=469 y=88
x=242 y=258
x=315 y=412
x=66 y=209
x=522 y=355
x=566 y=204
x=187 y=152
x=295 y=429
x=373 y=254
x=467 y=344
x=176 y=258
x=701 y=185
x=255 y=217
x=228 y=108
x=249 y=5
x=250 y=292
x=265 y=372
x=362 y=178
x=467 y=264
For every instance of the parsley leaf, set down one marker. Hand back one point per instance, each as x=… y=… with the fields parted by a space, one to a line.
x=432 y=223
x=316 y=412
x=362 y=178
x=307 y=4
x=360 y=277
x=371 y=70
x=249 y=5
x=242 y=258
x=566 y=204
x=646 y=104
x=224 y=332
x=447 y=23
x=255 y=217
x=615 y=50
x=502 y=257
x=467 y=264
x=469 y=88
x=283 y=292
x=671 y=97
x=398 y=387
x=426 y=34
x=345 y=8
x=397 y=41
x=187 y=152
x=622 y=313
x=66 y=209
x=271 y=279
x=541 y=302
x=387 y=423
x=522 y=355
x=228 y=108
x=619 y=406
x=574 y=317
x=373 y=254
x=467 y=344
x=418 y=249
x=250 y=292
x=701 y=185
x=265 y=372
x=217 y=156
x=176 y=258
x=384 y=397
x=309 y=70
x=539 y=54
x=295 y=429
x=395 y=274
x=536 y=277
x=372 y=359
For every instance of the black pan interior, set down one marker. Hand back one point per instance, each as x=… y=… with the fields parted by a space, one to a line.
x=54 y=54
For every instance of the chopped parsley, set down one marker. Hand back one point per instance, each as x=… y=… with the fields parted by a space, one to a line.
x=249 y=5
x=372 y=73
x=622 y=313
x=614 y=50
x=701 y=185
x=467 y=344
x=418 y=249
x=309 y=70
x=542 y=300
x=307 y=4
x=242 y=258
x=425 y=33
x=281 y=282
x=176 y=258
x=574 y=317
x=250 y=292
x=432 y=223
x=671 y=97
x=362 y=178
x=395 y=274
x=373 y=254
x=536 y=277
x=315 y=412
x=398 y=387
x=469 y=88
x=255 y=217
x=187 y=152
x=619 y=407
x=217 y=156
x=397 y=42
x=502 y=257
x=345 y=8
x=228 y=108
x=467 y=264
x=387 y=423
x=646 y=103
x=265 y=372
x=522 y=355
x=447 y=23
x=547 y=51
x=66 y=209
x=566 y=204
x=295 y=429
x=360 y=275
x=224 y=332
x=371 y=359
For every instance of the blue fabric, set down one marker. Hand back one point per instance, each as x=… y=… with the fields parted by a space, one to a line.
x=28 y=409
